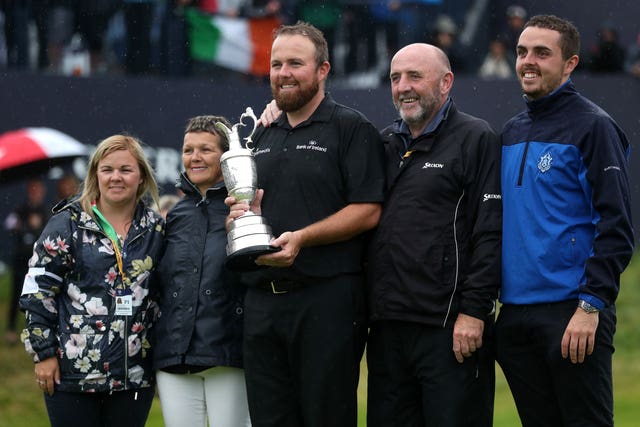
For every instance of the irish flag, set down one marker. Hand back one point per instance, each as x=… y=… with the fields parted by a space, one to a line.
x=241 y=44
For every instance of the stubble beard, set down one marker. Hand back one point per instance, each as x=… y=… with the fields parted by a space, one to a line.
x=547 y=84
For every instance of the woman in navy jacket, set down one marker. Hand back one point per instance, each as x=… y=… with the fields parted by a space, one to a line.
x=199 y=348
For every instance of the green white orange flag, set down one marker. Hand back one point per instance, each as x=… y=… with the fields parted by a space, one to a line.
x=240 y=44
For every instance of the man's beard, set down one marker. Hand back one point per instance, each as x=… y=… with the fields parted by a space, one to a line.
x=427 y=108
x=293 y=101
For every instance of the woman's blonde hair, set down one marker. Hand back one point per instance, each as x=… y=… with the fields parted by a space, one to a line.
x=91 y=190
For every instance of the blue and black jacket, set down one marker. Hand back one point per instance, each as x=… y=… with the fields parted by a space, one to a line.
x=567 y=231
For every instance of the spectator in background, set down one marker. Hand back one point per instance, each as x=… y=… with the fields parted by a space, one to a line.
x=68 y=186
x=417 y=20
x=24 y=224
x=40 y=16
x=18 y=15
x=607 y=54
x=516 y=18
x=360 y=36
x=88 y=19
x=632 y=61
x=175 y=59
x=3 y=42
x=498 y=64
x=166 y=202
x=138 y=18
x=61 y=28
x=444 y=36
x=385 y=14
x=16 y=32
x=261 y=8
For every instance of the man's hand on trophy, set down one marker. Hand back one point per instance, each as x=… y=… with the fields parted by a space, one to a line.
x=289 y=243
x=237 y=209
x=270 y=114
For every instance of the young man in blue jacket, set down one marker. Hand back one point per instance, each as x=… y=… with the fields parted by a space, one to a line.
x=567 y=237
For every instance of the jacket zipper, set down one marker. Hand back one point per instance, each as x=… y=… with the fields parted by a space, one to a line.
x=126 y=323
x=126 y=320
x=522 y=163
x=524 y=156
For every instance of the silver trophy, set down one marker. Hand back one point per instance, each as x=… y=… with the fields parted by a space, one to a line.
x=249 y=236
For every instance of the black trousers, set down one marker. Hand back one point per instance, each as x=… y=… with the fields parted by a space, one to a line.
x=302 y=352
x=128 y=408
x=547 y=389
x=415 y=380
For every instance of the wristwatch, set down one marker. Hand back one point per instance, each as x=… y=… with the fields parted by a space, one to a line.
x=588 y=308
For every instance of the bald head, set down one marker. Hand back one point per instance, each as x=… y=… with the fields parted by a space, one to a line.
x=423 y=54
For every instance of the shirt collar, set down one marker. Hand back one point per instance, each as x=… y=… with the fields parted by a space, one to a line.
x=323 y=113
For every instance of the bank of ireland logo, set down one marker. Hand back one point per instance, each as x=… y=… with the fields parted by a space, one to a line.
x=544 y=164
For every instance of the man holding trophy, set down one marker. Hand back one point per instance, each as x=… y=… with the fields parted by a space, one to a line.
x=320 y=171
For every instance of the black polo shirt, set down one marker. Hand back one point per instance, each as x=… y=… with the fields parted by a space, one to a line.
x=310 y=172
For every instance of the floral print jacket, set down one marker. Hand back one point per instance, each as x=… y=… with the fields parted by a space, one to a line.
x=69 y=296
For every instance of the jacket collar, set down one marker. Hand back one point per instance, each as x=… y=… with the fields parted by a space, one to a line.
x=88 y=222
x=401 y=127
x=551 y=101
x=189 y=188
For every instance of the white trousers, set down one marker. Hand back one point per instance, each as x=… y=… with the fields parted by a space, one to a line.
x=218 y=393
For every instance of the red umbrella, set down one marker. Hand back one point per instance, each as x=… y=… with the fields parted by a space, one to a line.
x=31 y=151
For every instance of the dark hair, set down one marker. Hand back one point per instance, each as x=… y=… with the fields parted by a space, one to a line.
x=312 y=33
x=208 y=124
x=569 y=35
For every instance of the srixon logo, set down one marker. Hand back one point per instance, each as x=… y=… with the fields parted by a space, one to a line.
x=429 y=165
x=488 y=196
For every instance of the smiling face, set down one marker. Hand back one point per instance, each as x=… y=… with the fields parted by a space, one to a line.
x=420 y=84
x=295 y=76
x=119 y=177
x=201 y=154
x=540 y=66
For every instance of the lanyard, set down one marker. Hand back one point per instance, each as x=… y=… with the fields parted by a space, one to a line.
x=113 y=236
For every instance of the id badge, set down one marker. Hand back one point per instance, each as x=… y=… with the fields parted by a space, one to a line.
x=124 y=303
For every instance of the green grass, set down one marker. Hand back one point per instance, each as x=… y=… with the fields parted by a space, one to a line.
x=21 y=403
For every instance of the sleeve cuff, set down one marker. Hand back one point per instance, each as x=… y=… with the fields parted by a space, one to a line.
x=593 y=300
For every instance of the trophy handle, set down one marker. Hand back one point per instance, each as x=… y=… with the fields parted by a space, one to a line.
x=249 y=113
x=232 y=134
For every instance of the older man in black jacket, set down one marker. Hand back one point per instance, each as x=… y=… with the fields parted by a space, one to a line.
x=434 y=261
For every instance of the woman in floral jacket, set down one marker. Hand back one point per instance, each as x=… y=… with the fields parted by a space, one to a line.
x=86 y=295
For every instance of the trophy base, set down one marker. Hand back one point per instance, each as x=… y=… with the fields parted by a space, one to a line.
x=244 y=259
